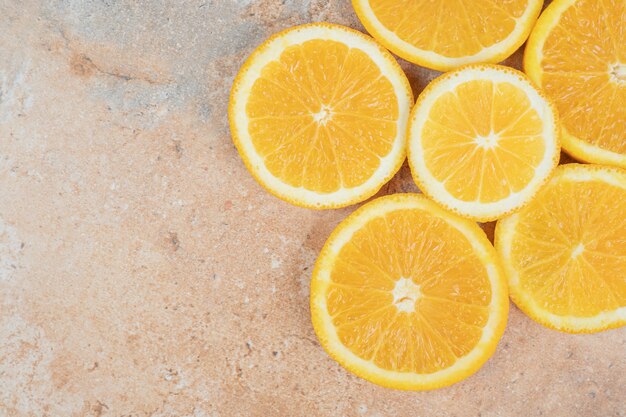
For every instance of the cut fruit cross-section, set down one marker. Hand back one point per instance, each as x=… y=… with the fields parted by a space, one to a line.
x=482 y=141
x=445 y=34
x=577 y=54
x=408 y=295
x=565 y=253
x=318 y=114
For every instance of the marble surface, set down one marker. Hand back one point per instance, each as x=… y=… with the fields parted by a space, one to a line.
x=143 y=272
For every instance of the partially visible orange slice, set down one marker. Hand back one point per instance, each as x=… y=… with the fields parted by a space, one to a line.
x=445 y=34
x=408 y=295
x=482 y=141
x=577 y=54
x=565 y=253
x=318 y=113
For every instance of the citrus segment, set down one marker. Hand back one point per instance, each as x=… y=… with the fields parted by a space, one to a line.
x=443 y=35
x=318 y=114
x=407 y=295
x=577 y=54
x=565 y=253
x=482 y=141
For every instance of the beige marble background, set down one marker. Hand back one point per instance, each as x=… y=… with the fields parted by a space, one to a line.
x=143 y=272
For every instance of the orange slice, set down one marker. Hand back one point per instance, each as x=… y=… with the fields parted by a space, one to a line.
x=482 y=141
x=445 y=34
x=577 y=54
x=407 y=295
x=318 y=113
x=565 y=253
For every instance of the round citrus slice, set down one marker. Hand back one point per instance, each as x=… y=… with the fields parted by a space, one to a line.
x=318 y=113
x=565 y=253
x=408 y=295
x=482 y=141
x=577 y=54
x=443 y=34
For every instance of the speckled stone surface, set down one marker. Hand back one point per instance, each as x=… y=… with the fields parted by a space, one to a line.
x=143 y=272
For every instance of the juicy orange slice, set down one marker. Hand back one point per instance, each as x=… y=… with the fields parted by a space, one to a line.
x=407 y=295
x=444 y=34
x=318 y=114
x=577 y=54
x=482 y=141
x=565 y=253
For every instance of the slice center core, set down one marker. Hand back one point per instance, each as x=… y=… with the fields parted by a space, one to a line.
x=577 y=250
x=618 y=72
x=405 y=293
x=323 y=116
x=487 y=142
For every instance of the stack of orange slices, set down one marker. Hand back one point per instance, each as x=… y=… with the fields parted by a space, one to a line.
x=408 y=292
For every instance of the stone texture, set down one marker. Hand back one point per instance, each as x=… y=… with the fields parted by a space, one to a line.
x=143 y=272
